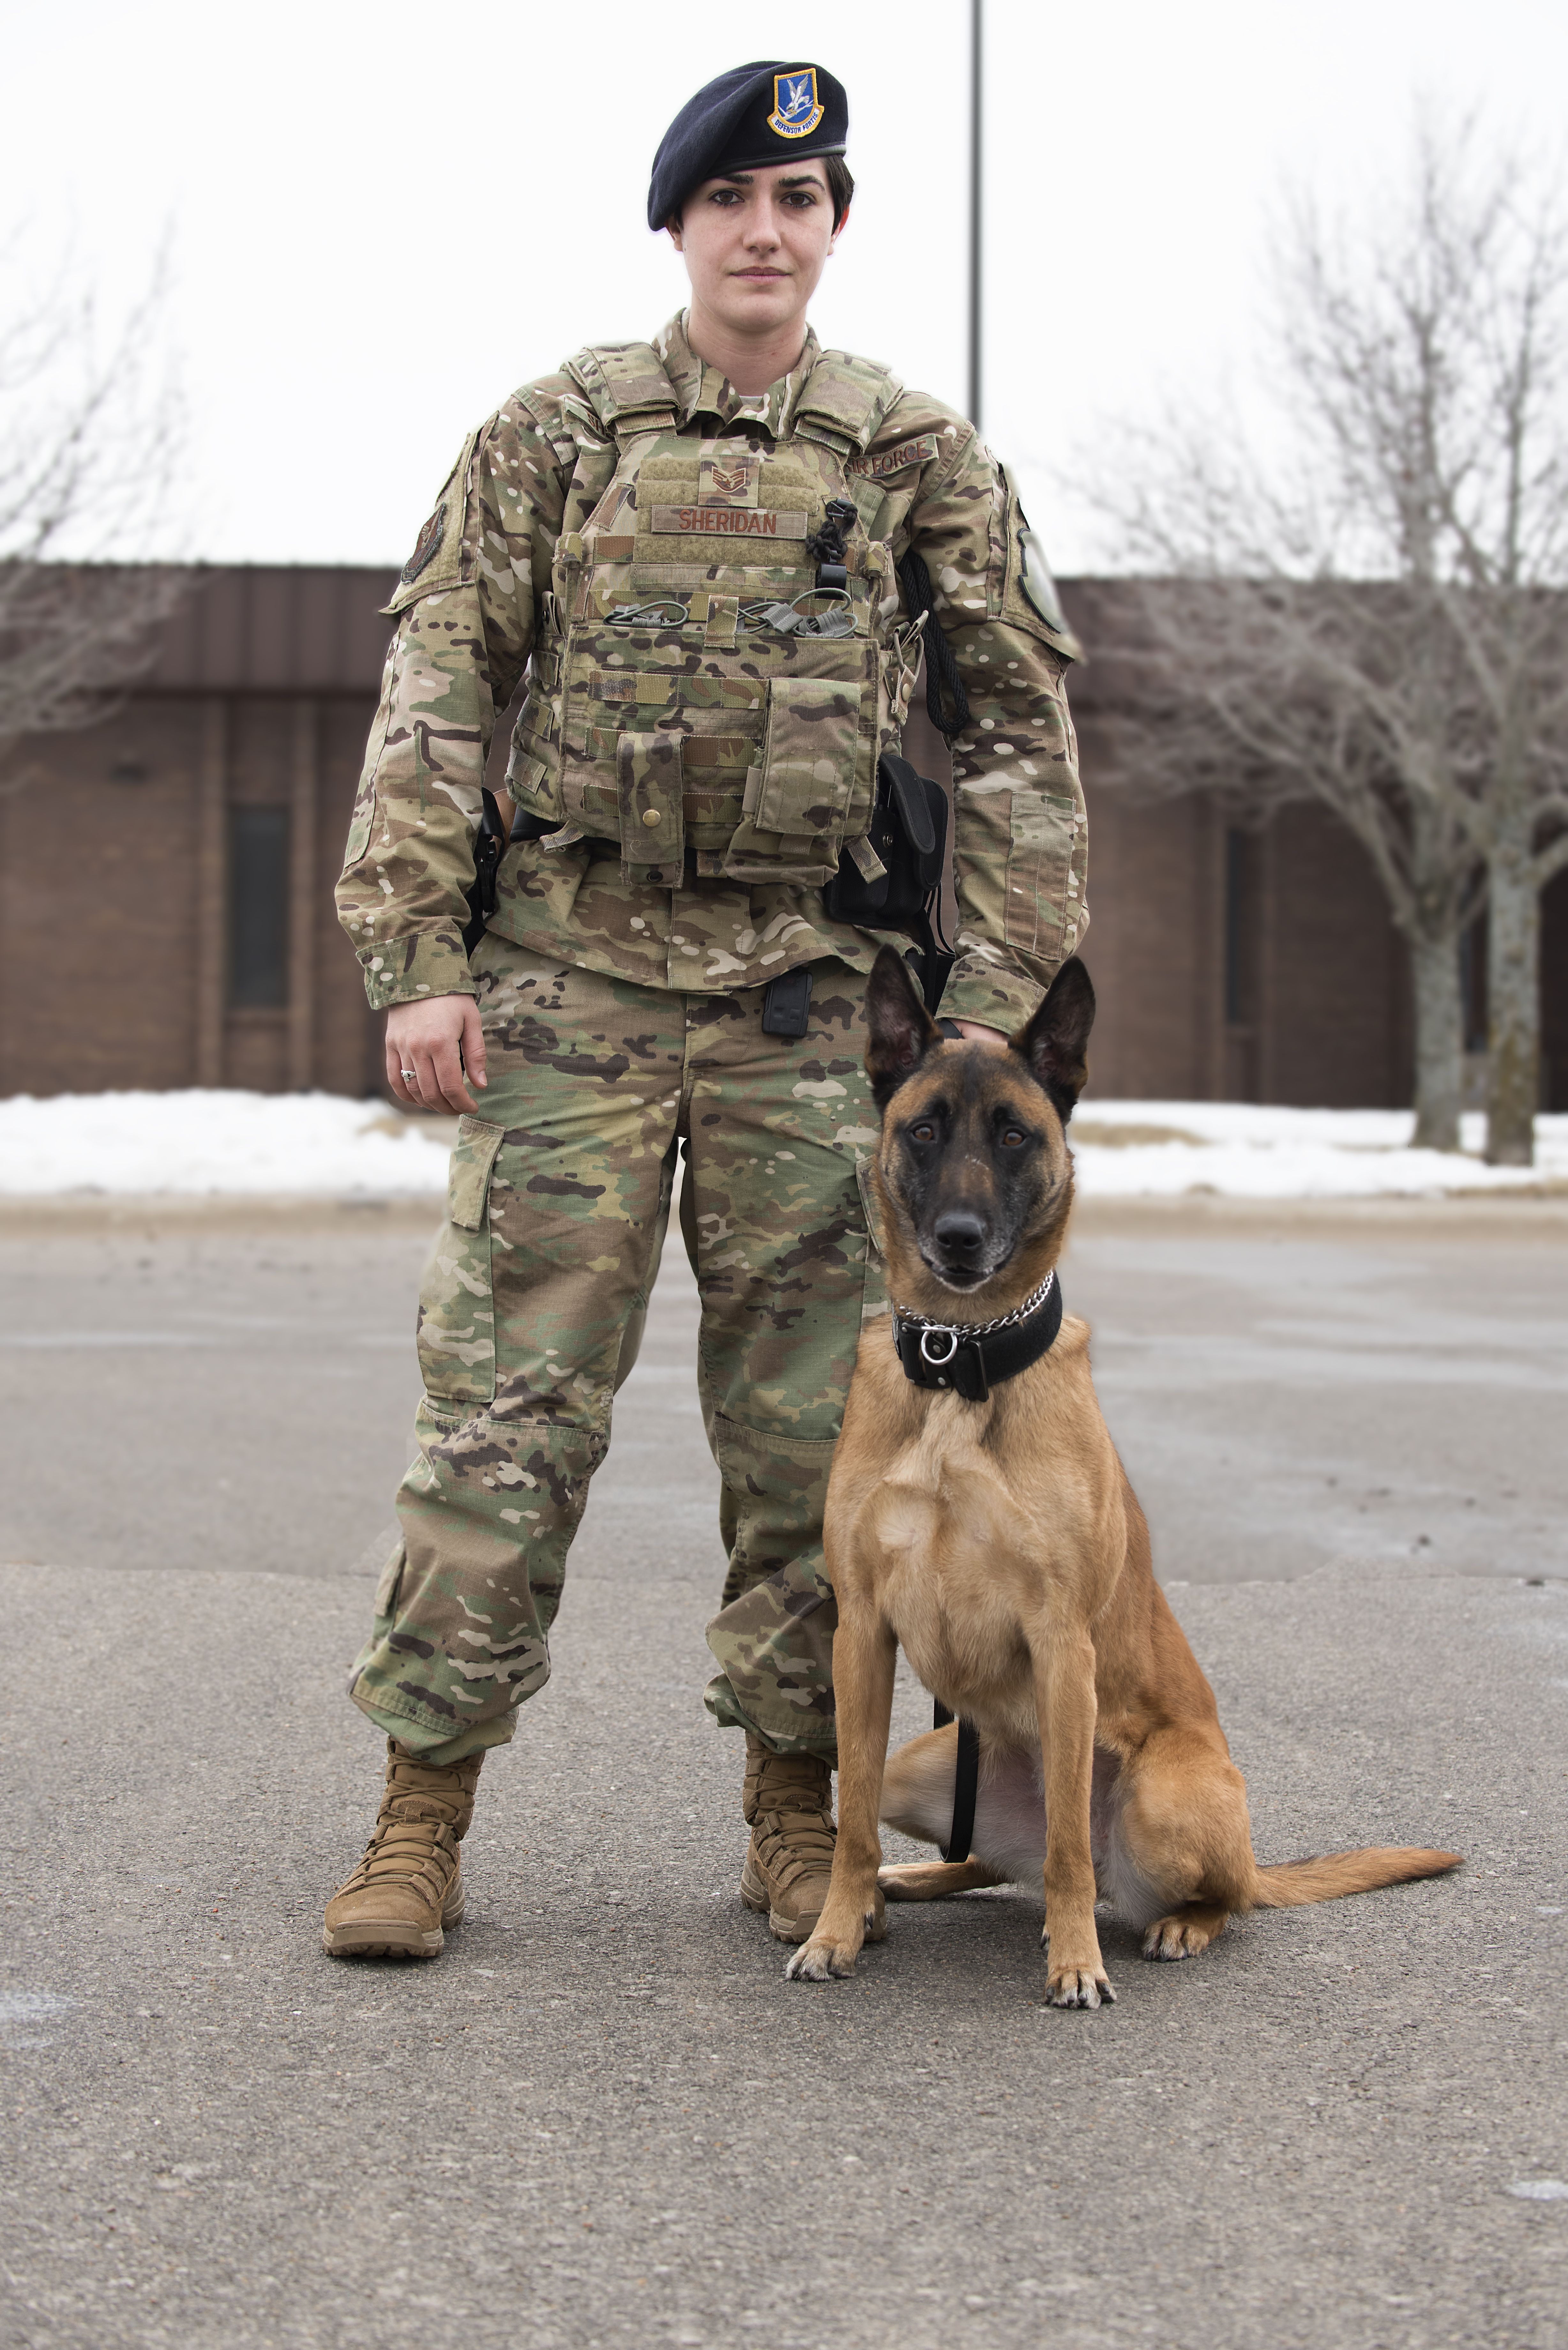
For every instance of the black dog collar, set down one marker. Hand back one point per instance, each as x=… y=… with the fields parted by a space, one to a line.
x=968 y=1358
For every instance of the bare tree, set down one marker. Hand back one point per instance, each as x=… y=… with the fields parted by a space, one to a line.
x=1377 y=615
x=1218 y=695
x=90 y=434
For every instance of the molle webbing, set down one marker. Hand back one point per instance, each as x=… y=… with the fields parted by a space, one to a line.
x=694 y=693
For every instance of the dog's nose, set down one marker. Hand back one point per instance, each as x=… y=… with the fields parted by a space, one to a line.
x=959 y=1235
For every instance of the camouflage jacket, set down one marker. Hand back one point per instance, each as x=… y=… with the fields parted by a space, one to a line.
x=475 y=604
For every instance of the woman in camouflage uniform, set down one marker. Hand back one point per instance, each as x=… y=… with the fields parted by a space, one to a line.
x=642 y=535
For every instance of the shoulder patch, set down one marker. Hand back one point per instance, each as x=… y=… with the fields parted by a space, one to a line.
x=443 y=556
x=425 y=545
x=878 y=461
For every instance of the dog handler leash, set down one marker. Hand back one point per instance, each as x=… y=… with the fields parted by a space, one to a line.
x=966 y=1782
x=968 y=1358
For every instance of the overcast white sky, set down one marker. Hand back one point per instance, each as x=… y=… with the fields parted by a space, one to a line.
x=385 y=215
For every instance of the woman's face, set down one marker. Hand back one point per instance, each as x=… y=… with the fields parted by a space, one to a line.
x=754 y=244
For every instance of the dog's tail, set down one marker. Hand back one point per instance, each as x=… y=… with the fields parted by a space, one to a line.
x=1326 y=1876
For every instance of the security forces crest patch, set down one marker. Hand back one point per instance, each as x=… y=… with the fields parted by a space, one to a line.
x=425 y=545
x=797 y=109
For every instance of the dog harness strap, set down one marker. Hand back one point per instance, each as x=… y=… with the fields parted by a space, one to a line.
x=966 y=1785
x=969 y=1362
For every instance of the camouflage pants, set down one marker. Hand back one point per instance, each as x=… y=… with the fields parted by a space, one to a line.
x=531 y=1307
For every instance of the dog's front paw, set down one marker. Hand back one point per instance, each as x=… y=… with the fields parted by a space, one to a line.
x=1078 y=1987
x=821 y=1959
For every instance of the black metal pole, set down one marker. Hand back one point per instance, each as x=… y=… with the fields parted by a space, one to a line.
x=975 y=86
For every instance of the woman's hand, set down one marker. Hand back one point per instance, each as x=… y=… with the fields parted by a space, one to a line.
x=428 y=1045
x=974 y=1033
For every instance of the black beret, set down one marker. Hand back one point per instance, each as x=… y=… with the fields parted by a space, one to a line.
x=765 y=112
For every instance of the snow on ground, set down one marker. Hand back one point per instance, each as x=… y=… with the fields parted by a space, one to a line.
x=207 y=1141
x=1242 y=1150
x=322 y=1144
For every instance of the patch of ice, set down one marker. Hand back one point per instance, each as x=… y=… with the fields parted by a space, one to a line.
x=28 y=2006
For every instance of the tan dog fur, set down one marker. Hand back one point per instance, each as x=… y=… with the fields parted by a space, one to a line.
x=1000 y=1544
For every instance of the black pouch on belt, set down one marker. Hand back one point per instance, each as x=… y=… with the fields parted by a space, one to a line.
x=909 y=835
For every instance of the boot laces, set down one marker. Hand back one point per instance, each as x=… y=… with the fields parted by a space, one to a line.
x=792 y=1844
x=416 y=1835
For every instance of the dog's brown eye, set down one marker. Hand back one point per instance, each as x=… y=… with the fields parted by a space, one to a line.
x=924 y=1132
x=1012 y=1137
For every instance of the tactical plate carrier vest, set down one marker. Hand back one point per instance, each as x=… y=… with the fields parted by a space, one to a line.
x=694 y=695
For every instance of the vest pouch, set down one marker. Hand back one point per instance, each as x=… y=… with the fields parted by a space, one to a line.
x=808 y=757
x=652 y=819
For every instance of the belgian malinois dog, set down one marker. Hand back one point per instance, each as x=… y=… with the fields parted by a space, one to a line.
x=981 y=1518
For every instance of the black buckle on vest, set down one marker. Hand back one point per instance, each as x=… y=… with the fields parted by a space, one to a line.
x=826 y=545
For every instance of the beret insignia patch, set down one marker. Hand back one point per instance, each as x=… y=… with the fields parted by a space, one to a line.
x=797 y=109
x=425 y=545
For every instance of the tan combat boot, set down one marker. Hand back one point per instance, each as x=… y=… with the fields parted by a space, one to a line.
x=408 y=1886
x=788 y=1808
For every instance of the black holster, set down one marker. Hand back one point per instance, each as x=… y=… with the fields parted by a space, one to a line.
x=909 y=834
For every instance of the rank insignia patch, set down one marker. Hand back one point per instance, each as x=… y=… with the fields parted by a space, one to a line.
x=729 y=476
x=425 y=545
x=797 y=109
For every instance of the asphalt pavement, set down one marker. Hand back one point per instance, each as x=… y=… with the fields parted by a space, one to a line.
x=604 y=2117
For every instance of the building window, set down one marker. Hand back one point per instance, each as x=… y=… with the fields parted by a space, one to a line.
x=258 y=906
x=1241 y=906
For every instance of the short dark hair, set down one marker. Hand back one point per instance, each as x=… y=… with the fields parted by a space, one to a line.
x=840 y=189
x=840 y=185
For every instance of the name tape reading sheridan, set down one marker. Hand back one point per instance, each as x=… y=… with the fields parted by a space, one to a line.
x=730 y=522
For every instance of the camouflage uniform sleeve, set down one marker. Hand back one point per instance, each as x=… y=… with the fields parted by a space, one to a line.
x=1020 y=828
x=465 y=609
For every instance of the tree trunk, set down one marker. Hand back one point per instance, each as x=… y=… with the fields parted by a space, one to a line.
x=1513 y=1006
x=1440 y=1039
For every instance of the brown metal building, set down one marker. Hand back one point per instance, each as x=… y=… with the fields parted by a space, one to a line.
x=166 y=913
x=166 y=917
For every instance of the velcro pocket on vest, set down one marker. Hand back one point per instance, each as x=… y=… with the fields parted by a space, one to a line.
x=809 y=758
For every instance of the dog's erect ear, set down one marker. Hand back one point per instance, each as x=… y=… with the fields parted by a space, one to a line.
x=902 y=1030
x=1056 y=1040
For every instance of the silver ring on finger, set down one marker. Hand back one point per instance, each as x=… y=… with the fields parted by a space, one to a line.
x=409 y=1076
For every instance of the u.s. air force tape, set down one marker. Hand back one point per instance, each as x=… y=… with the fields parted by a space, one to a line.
x=878 y=461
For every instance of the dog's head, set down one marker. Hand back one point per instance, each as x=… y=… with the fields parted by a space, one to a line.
x=973 y=1158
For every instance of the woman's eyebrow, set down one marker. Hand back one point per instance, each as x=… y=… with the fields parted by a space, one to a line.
x=746 y=180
